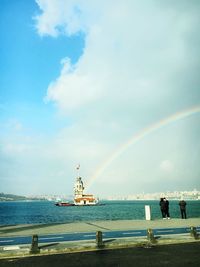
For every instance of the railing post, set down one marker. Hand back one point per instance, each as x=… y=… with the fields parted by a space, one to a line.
x=34 y=245
x=99 y=239
x=193 y=232
x=150 y=236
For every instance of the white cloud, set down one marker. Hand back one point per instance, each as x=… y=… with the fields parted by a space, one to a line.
x=132 y=51
x=59 y=16
x=167 y=166
x=14 y=125
x=15 y=149
x=73 y=88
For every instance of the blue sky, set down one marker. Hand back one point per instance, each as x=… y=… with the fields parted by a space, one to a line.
x=32 y=61
x=79 y=79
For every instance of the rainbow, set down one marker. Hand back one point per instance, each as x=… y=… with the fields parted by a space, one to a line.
x=137 y=137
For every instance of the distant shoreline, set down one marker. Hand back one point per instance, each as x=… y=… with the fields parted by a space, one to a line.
x=187 y=195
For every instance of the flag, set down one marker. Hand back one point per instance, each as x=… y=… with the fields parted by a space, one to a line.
x=78 y=167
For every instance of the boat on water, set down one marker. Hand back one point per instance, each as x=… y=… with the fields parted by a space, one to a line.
x=63 y=204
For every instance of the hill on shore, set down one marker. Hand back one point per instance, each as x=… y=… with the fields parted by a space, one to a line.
x=11 y=197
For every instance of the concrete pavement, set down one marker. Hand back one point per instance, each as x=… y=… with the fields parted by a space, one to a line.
x=68 y=247
x=29 y=229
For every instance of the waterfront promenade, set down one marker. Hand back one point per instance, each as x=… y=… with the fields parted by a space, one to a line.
x=30 y=229
x=88 y=228
x=121 y=249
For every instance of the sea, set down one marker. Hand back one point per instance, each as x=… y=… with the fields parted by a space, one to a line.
x=45 y=212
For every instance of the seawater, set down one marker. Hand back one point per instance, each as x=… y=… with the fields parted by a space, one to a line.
x=34 y=212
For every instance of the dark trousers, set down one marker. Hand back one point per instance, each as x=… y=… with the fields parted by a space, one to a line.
x=183 y=213
x=167 y=213
x=163 y=213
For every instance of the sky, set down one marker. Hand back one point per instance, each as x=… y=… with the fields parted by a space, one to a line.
x=78 y=79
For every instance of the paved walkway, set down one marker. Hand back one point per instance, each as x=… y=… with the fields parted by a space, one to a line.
x=90 y=245
x=22 y=230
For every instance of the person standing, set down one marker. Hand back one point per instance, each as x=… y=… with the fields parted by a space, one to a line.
x=166 y=207
x=182 y=205
x=162 y=208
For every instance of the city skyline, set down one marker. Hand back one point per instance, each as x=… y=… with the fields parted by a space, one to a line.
x=112 y=86
x=175 y=195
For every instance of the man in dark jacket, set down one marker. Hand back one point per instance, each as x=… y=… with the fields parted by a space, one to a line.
x=166 y=207
x=182 y=205
x=162 y=208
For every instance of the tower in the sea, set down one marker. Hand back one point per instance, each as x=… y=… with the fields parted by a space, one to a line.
x=80 y=198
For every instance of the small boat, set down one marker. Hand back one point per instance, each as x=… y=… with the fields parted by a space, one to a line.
x=61 y=204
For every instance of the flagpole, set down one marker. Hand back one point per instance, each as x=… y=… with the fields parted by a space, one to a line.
x=77 y=168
